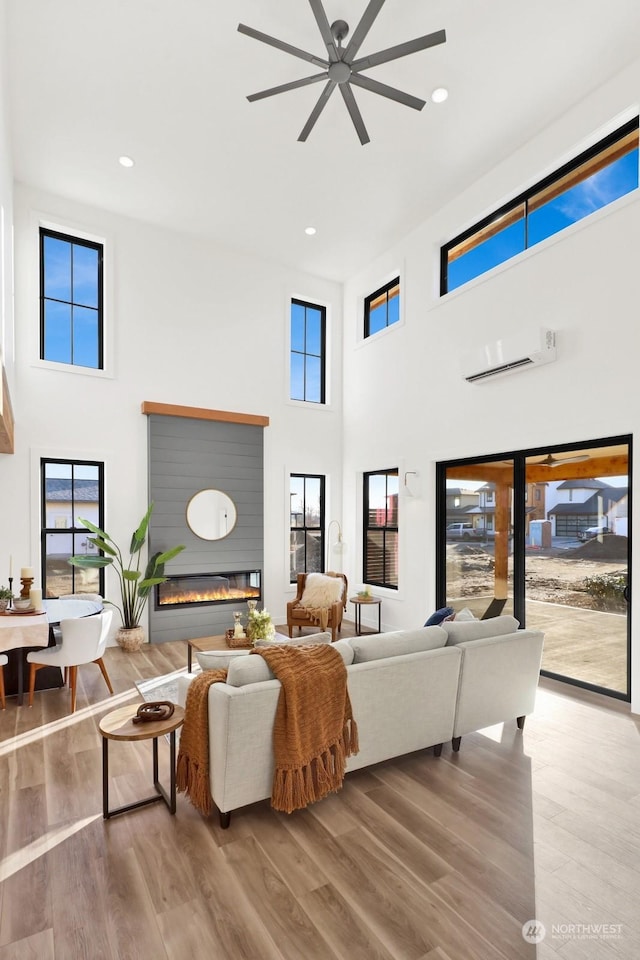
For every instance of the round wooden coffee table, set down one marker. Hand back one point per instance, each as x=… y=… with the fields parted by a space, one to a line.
x=118 y=725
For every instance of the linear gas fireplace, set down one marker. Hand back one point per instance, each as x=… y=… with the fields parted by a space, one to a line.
x=205 y=588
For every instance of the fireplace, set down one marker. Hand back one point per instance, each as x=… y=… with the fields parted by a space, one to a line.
x=189 y=589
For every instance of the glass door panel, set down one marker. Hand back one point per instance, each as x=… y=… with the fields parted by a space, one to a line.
x=576 y=562
x=478 y=533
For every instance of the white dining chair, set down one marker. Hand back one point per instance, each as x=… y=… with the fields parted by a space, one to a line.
x=83 y=641
x=4 y=659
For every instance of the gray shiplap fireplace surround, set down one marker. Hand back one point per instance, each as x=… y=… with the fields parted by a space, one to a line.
x=192 y=449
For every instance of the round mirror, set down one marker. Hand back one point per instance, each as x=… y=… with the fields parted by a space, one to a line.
x=211 y=514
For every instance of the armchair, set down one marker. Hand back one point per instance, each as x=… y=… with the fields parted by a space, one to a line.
x=318 y=603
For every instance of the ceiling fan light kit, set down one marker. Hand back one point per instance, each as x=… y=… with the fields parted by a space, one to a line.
x=341 y=68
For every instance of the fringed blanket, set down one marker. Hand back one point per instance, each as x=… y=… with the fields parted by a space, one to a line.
x=192 y=773
x=314 y=731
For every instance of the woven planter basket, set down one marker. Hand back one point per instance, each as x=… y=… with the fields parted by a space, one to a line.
x=130 y=639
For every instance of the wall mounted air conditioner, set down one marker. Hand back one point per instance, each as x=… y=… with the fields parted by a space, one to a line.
x=521 y=350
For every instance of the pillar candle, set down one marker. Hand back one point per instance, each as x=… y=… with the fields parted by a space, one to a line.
x=35 y=595
x=10 y=564
x=26 y=573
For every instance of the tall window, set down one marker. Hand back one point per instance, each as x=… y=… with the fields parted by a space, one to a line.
x=307 y=524
x=308 y=347
x=69 y=490
x=595 y=178
x=380 y=566
x=382 y=308
x=71 y=308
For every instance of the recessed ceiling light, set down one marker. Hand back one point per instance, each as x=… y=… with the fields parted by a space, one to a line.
x=309 y=231
x=126 y=161
x=440 y=94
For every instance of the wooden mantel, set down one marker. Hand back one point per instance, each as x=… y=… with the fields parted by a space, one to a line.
x=202 y=413
x=6 y=419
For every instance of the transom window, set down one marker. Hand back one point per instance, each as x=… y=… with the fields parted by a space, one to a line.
x=595 y=178
x=69 y=490
x=308 y=348
x=382 y=308
x=307 y=524
x=380 y=566
x=71 y=300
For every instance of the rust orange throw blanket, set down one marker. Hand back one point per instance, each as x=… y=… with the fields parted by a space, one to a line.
x=314 y=731
x=192 y=772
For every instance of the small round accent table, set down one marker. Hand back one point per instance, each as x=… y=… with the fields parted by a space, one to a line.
x=118 y=725
x=359 y=603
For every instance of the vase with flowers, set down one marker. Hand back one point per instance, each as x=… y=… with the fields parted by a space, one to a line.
x=259 y=626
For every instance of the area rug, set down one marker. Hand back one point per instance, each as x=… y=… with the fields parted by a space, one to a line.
x=161 y=688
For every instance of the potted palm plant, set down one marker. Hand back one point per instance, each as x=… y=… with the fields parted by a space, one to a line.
x=135 y=587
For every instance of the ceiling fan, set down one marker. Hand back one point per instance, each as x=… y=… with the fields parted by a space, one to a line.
x=551 y=461
x=341 y=68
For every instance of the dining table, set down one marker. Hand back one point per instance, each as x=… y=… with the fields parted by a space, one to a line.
x=22 y=632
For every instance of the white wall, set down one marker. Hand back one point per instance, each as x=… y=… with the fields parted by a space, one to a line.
x=405 y=385
x=190 y=324
x=6 y=222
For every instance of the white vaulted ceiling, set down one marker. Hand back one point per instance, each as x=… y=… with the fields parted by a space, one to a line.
x=165 y=81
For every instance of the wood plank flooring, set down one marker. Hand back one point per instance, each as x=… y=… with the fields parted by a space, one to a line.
x=419 y=858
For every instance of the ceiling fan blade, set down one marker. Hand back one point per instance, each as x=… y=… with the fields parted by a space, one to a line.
x=356 y=116
x=366 y=22
x=401 y=50
x=317 y=110
x=287 y=86
x=552 y=462
x=325 y=29
x=385 y=91
x=281 y=45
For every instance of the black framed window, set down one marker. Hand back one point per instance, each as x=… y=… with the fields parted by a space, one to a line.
x=70 y=490
x=71 y=300
x=308 y=351
x=380 y=554
x=382 y=308
x=306 y=494
x=595 y=178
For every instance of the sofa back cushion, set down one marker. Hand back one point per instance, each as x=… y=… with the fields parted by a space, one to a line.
x=395 y=644
x=459 y=632
x=254 y=669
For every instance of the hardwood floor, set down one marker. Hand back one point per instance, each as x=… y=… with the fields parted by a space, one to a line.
x=415 y=859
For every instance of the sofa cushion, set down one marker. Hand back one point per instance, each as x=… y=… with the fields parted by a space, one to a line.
x=395 y=644
x=295 y=641
x=246 y=670
x=458 y=632
x=321 y=591
x=218 y=659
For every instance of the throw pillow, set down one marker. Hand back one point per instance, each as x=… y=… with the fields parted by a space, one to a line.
x=436 y=618
x=321 y=591
x=464 y=614
x=217 y=659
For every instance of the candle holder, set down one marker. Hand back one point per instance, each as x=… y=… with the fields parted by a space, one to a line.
x=26 y=587
x=10 y=603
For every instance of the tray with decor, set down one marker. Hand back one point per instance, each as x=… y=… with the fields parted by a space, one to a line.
x=31 y=612
x=237 y=642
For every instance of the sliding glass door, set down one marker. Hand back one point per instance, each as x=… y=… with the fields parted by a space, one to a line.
x=543 y=534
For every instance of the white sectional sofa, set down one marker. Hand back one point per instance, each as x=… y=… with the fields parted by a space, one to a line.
x=409 y=689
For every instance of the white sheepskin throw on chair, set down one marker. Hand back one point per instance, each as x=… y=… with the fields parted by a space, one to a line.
x=321 y=591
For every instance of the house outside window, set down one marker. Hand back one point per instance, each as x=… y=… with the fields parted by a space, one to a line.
x=71 y=300
x=382 y=308
x=307 y=524
x=308 y=351
x=70 y=490
x=594 y=179
x=380 y=563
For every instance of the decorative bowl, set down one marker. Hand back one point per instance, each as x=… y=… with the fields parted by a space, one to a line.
x=22 y=605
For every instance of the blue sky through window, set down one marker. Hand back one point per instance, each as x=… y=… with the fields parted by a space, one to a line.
x=71 y=302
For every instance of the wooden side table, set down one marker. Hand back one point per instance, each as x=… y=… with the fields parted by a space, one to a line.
x=359 y=603
x=118 y=725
